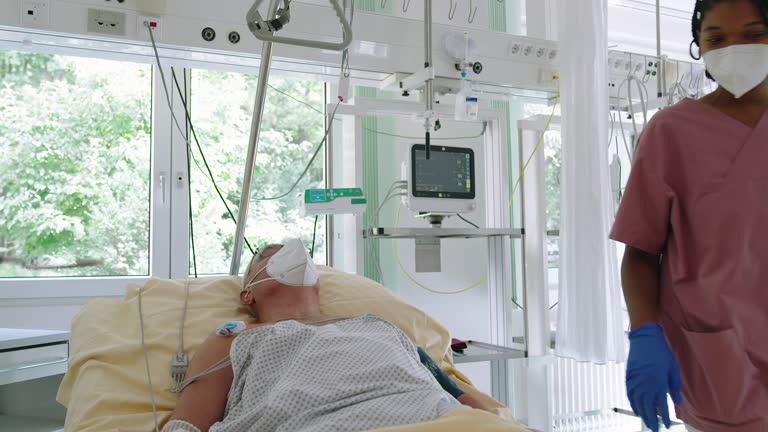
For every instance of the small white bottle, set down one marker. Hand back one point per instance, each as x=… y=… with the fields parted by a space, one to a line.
x=467 y=105
x=472 y=106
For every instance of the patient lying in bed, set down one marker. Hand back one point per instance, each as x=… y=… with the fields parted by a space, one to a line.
x=293 y=369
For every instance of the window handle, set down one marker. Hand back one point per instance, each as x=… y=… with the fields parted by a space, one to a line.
x=162 y=187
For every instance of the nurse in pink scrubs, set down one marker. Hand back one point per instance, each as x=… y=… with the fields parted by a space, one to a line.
x=695 y=222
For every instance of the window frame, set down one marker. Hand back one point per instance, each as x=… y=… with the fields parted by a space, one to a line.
x=169 y=253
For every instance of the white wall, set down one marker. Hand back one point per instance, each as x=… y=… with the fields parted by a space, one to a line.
x=632 y=27
x=48 y=317
x=376 y=47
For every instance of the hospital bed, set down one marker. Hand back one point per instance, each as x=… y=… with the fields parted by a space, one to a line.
x=106 y=388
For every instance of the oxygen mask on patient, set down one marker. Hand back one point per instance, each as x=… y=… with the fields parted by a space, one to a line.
x=291 y=265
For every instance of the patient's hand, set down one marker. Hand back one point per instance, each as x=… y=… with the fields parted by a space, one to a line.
x=472 y=402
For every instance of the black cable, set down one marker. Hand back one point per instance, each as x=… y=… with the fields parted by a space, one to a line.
x=462 y=218
x=311 y=160
x=189 y=187
x=345 y=54
x=314 y=236
x=553 y=306
x=202 y=155
x=517 y=304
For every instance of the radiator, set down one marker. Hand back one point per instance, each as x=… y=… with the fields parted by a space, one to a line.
x=571 y=396
x=584 y=396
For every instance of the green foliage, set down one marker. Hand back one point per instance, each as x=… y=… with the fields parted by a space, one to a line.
x=74 y=163
x=554 y=160
x=221 y=111
x=551 y=147
x=18 y=69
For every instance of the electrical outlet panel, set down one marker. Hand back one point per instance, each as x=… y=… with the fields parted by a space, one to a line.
x=527 y=50
x=106 y=22
x=548 y=76
x=143 y=32
x=36 y=12
x=533 y=51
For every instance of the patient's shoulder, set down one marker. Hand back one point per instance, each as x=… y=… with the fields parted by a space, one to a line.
x=220 y=340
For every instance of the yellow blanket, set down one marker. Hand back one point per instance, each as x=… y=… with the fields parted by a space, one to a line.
x=106 y=387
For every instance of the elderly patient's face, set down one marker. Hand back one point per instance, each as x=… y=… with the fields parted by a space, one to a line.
x=273 y=295
x=261 y=289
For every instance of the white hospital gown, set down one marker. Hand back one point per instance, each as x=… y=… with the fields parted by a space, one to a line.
x=353 y=375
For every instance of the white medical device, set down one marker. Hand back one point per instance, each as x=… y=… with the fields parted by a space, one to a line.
x=444 y=183
x=333 y=201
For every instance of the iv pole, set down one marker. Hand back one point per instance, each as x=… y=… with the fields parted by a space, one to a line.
x=662 y=73
x=429 y=94
x=253 y=146
x=257 y=27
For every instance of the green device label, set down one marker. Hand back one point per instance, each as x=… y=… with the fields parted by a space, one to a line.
x=315 y=196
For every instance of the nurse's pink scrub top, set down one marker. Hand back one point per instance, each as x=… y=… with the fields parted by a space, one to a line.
x=698 y=195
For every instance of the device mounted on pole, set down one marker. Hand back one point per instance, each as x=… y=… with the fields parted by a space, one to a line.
x=430 y=117
x=265 y=30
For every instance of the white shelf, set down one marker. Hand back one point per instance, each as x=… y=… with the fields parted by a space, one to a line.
x=22 y=338
x=478 y=352
x=31 y=354
x=424 y=233
x=29 y=424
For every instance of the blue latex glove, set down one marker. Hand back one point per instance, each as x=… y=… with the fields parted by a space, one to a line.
x=652 y=371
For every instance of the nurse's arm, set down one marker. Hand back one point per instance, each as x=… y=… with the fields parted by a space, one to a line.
x=640 y=274
x=202 y=403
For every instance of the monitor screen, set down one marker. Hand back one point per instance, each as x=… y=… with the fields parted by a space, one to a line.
x=449 y=172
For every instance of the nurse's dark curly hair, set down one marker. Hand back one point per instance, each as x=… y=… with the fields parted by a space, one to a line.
x=704 y=6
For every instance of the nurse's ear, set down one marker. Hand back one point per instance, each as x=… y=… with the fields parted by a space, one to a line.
x=698 y=56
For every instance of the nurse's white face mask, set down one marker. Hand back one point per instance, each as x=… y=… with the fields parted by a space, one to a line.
x=291 y=265
x=738 y=68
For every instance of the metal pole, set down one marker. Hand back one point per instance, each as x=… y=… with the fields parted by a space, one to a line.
x=660 y=88
x=253 y=146
x=428 y=89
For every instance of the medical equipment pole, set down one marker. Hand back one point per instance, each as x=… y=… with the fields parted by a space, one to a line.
x=253 y=146
x=428 y=89
x=660 y=89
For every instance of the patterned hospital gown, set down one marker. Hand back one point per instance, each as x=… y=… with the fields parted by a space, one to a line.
x=353 y=375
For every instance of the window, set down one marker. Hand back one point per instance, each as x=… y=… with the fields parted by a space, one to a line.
x=74 y=166
x=293 y=126
x=551 y=147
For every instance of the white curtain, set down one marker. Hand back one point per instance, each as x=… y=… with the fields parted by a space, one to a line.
x=590 y=313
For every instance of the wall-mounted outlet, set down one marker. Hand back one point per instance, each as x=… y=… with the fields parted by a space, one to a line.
x=143 y=24
x=548 y=76
x=36 y=12
x=107 y=22
x=527 y=50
